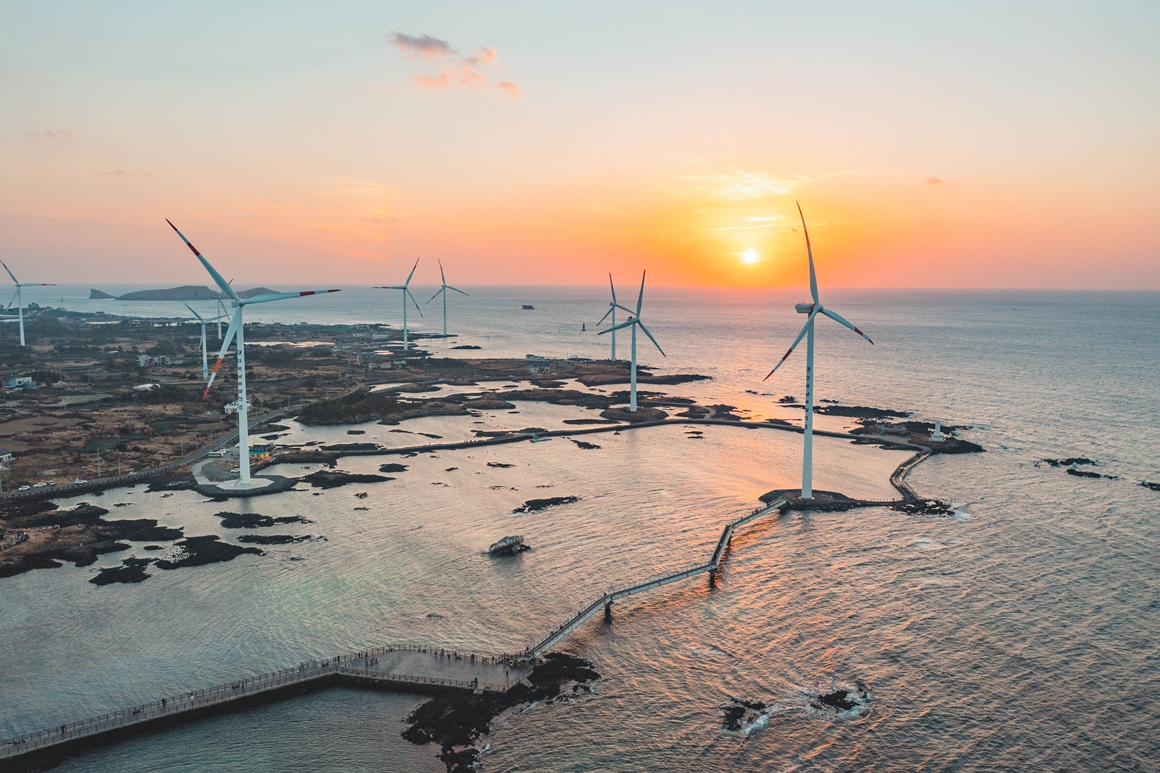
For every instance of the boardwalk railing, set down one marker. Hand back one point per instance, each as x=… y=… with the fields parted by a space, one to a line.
x=655 y=581
x=193 y=700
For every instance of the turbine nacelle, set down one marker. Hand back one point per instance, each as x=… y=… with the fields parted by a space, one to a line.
x=806 y=308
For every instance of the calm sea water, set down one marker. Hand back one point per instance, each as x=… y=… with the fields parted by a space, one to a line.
x=1020 y=634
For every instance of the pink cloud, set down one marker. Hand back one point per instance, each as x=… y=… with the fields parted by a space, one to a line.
x=465 y=74
x=440 y=81
x=483 y=56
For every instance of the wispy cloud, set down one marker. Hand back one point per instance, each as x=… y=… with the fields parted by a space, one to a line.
x=49 y=134
x=739 y=185
x=933 y=181
x=421 y=46
x=467 y=72
x=755 y=222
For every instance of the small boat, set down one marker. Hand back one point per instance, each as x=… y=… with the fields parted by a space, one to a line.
x=529 y=307
x=541 y=439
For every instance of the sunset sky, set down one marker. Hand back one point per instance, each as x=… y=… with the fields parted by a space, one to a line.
x=930 y=144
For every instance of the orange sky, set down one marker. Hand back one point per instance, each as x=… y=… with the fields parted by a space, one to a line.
x=928 y=147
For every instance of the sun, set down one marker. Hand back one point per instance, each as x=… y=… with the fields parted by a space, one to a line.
x=750 y=256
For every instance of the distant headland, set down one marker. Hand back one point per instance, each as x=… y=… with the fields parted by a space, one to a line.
x=183 y=293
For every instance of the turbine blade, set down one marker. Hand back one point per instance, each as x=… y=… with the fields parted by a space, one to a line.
x=221 y=282
x=796 y=341
x=2 y=263
x=267 y=297
x=408 y=292
x=456 y=289
x=650 y=337
x=9 y=306
x=625 y=308
x=640 y=298
x=408 y=282
x=810 y=252
x=618 y=327
x=838 y=318
x=389 y=287
x=229 y=339
x=611 y=308
x=612 y=287
x=191 y=311
x=436 y=295
x=442 y=276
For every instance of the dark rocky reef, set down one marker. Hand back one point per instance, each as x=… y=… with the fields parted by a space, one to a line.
x=456 y=720
x=254 y=520
x=740 y=713
x=1075 y=461
x=131 y=570
x=273 y=539
x=326 y=479
x=392 y=467
x=584 y=445
x=1152 y=486
x=842 y=699
x=199 y=551
x=78 y=535
x=535 y=505
x=924 y=507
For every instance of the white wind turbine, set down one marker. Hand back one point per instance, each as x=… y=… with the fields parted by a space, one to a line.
x=813 y=309
x=19 y=298
x=442 y=290
x=242 y=406
x=204 y=353
x=405 y=287
x=634 y=322
x=612 y=307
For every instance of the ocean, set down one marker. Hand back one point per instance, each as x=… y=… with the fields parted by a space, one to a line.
x=1019 y=633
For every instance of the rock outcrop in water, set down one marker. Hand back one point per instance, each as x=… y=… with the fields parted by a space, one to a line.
x=535 y=505
x=327 y=479
x=456 y=720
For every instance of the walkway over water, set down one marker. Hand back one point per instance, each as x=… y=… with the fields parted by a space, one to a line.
x=605 y=600
x=410 y=668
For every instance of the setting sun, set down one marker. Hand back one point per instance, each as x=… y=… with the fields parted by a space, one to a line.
x=750 y=256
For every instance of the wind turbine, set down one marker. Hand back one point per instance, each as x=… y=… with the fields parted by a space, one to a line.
x=405 y=287
x=813 y=309
x=19 y=298
x=242 y=406
x=634 y=322
x=204 y=353
x=442 y=290
x=612 y=307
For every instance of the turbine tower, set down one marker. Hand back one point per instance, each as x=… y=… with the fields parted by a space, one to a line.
x=242 y=406
x=612 y=307
x=442 y=290
x=19 y=298
x=813 y=309
x=204 y=353
x=634 y=322
x=405 y=287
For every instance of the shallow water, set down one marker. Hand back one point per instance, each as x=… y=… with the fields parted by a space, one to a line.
x=1020 y=633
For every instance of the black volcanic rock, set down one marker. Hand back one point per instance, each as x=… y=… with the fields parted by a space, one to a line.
x=329 y=479
x=198 y=551
x=535 y=505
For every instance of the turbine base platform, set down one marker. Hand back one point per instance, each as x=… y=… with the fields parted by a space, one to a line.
x=268 y=484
